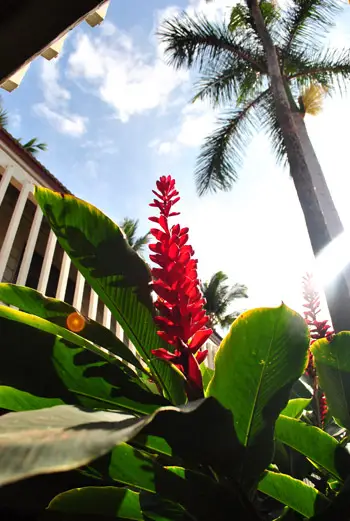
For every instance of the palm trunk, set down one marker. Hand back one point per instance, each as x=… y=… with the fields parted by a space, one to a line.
x=331 y=216
x=321 y=217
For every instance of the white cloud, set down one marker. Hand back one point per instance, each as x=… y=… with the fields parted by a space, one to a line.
x=73 y=124
x=55 y=107
x=197 y=122
x=162 y=147
x=15 y=121
x=108 y=28
x=54 y=93
x=130 y=81
x=131 y=78
x=214 y=10
x=91 y=169
x=100 y=146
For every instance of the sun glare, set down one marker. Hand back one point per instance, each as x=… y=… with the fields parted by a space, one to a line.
x=331 y=261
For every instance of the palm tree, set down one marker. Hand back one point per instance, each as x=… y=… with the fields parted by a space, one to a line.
x=3 y=116
x=33 y=145
x=129 y=227
x=219 y=296
x=259 y=68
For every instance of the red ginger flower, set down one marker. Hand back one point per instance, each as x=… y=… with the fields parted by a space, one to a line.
x=318 y=329
x=181 y=319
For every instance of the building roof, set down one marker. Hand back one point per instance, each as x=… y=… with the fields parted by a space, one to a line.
x=31 y=161
x=27 y=27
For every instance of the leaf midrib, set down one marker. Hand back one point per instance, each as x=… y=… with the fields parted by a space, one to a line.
x=250 y=423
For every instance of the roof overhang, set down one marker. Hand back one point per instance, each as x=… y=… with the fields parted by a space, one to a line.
x=27 y=27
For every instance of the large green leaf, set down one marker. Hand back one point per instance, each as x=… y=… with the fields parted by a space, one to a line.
x=33 y=321
x=294 y=493
x=201 y=496
x=207 y=375
x=194 y=436
x=66 y=437
x=56 y=311
x=339 y=508
x=333 y=369
x=315 y=444
x=39 y=369
x=295 y=407
x=119 y=276
x=111 y=502
x=58 y=439
x=256 y=365
x=103 y=501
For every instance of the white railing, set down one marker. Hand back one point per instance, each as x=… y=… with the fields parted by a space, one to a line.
x=17 y=251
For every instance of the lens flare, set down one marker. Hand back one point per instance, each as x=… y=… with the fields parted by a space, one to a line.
x=75 y=322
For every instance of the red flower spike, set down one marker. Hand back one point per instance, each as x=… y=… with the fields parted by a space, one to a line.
x=201 y=356
x=323 y=408
x=181 y=318
x=318 y=329
x=199 y=338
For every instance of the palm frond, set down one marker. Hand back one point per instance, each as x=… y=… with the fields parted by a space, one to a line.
x=129 y=227
x=198 y=42
x=33 y=145
x=270 y=125
x=222 y=152
x=306 y=21
x=141 y=242
x=227 y=320
x=219 y=84
x=219 y=296
x=3 y=117
x=330 y=68
x=238 y=291
x=239 y=17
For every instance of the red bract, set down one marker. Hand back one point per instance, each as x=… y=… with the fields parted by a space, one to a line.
x=318 y=329
x=181 y=318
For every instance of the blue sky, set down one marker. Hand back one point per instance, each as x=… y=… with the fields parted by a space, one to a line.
x=116 y=117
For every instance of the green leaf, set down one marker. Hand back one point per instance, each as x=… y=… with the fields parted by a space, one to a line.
x=15 y=400
x=99 y=501
x=339 y=508
x=333 y=368
x=315 y=444
x=294 y=493
x=58 y=439
x=48 y=367
x=207 y=375
x=66 y=437
x=48 y=327
x=256 y=365
x=113 y=502
x=192 y=436
x=295 y=407
x=198 y=494
x=119 y=276
x=57 y=312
